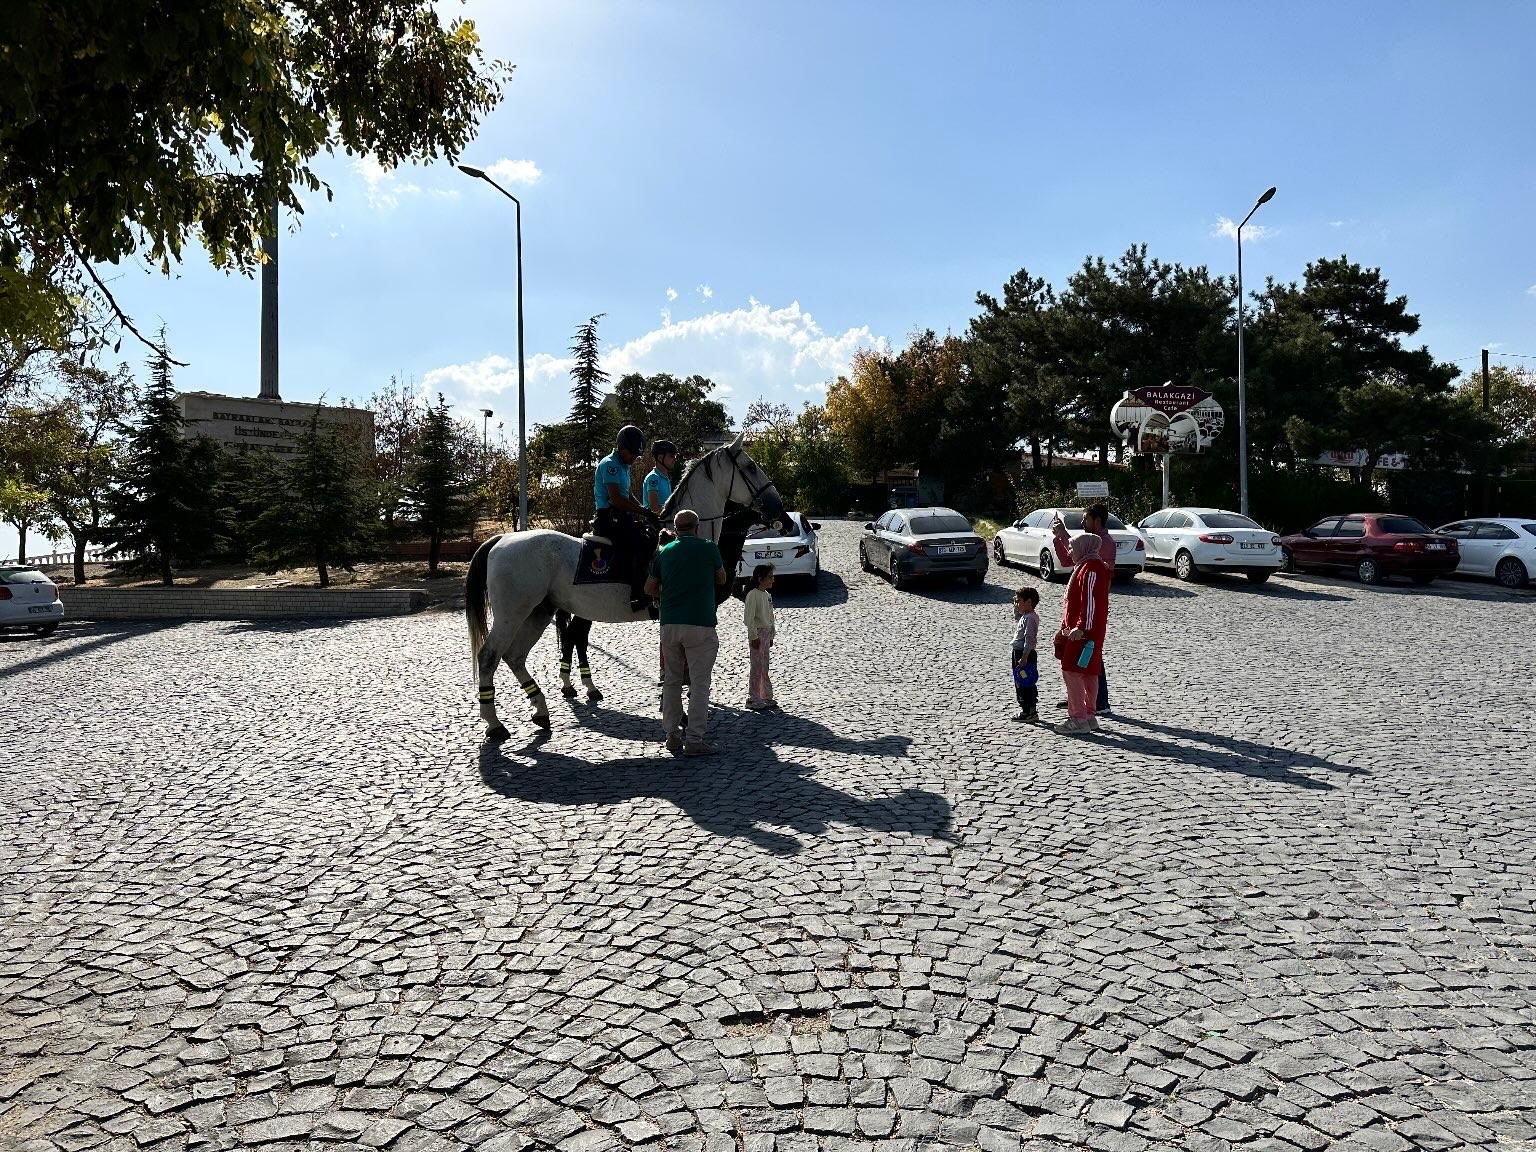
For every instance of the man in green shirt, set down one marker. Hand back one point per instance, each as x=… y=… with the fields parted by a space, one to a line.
x=684 y=575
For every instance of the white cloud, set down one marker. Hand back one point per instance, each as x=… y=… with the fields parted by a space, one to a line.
x=514 y=172
x=671 y=295
x=755 y=350
x=1531 y=291
x=384 y=187
x=705 y=292
x=1228 y=228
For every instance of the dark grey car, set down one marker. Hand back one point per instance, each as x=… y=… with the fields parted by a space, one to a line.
x=910 y=544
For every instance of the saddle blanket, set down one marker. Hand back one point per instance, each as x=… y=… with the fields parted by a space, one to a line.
x=600 y=563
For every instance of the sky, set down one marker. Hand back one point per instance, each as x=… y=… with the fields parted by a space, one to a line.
x=752 y=192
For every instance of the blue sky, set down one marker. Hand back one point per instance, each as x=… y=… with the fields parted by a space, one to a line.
x=753 y=191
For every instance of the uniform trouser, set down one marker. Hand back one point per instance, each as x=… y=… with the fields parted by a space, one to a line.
x=690 y=649
x=632 y=540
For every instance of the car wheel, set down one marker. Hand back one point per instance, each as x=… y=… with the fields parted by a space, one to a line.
x=1047 y=566
x=999 y=553
x=1257 y=577
x=898 y=581
x=1368 y=571
x=42 y=631
x=1287 y=561
x=864 y=564
x=1511 y=573
x=1184 y=566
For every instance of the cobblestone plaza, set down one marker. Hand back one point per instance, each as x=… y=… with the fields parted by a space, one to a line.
x=263 y=886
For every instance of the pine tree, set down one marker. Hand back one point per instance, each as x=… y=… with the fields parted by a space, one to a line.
x=322 y=507
x=439 y=485
x=586 y=418
x=163 y=512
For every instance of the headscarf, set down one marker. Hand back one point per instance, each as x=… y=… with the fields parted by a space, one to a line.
x=1084 y=547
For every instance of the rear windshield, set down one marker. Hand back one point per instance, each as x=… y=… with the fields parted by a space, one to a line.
x=1227 y=520
x=21 y=576
x=1399 y=524
x=1073 y=519
x=928 y=525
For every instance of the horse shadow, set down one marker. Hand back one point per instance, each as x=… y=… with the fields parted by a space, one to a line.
x=1225 y=753
x=751 y=790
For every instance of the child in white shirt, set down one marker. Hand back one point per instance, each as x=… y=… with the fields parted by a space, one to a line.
x=759 y=618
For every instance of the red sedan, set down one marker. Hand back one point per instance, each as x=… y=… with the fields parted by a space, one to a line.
x=1373 y=545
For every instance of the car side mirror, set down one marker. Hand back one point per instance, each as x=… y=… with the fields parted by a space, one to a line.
x=869 y=527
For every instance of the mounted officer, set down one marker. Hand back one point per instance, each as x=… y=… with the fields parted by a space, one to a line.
x=622 y=518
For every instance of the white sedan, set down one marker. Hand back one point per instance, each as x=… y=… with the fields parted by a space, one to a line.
x=1028 y=542
x=1196 y=540
x=1502 y=548
x=29 y=600
x=793 y=554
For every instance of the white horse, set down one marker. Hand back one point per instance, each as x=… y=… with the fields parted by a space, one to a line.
x=531 y=575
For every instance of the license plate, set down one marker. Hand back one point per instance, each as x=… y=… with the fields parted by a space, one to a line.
x=41 y=608
x=1434 y=547
x=951 y=550
x=770 y=555
x=1254 y=544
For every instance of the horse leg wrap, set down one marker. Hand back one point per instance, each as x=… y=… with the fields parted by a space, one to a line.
x=534 y=693
x=487 y=695
x=565 y=668
x=585 y=670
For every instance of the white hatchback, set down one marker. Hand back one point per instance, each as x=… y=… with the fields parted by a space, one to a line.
x=1028 y=542
x=793 y=554
x=29 y=600
x=1502 y=548
x=1196 y=540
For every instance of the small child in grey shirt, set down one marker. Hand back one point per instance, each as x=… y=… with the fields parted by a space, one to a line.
x=1026 y=671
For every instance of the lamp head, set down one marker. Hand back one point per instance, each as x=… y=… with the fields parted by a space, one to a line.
x=479 y=174
x=1266 y=198
x=486 y=412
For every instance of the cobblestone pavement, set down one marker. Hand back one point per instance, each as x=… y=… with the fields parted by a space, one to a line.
x=262 y=886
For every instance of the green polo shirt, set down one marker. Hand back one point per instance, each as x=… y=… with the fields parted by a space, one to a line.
x=686 y=568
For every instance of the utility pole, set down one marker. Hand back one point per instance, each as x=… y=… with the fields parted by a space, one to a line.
x=269 y=311
x=1487 y=404
x=1486 y=392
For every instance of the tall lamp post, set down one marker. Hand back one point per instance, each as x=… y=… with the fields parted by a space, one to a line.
x=522 y=399
x=1242 y=383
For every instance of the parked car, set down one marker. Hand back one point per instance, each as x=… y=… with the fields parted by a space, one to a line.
x=793 y=552
x=1502 y=548
x=1196 y=540
x=29 y=600
x=912 y=543
x=1373 y=545
x=1028 y=542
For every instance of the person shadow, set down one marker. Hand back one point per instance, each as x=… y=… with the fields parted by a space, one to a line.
x=1224 y=753
x=761 y=787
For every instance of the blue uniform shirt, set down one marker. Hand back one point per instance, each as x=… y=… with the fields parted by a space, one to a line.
x=659 y=483
x=610 y=470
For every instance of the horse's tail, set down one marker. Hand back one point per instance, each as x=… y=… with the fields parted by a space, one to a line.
x=474 y=600
x=562 y=621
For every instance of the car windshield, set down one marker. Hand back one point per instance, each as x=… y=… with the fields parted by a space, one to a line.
x=21 y=576
x=938 y=522
x=1399 y=524
x=1227 y=520
x=765 y=532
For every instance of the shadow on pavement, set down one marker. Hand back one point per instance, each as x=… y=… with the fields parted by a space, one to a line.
x=292 y=626
x=953 y=592
x=1225 y=753
x=1142 y=588
x=57 y=647
x=829 y=592
x=747 y=791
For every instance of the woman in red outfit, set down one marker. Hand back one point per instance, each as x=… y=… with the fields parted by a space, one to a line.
x=1080 y=641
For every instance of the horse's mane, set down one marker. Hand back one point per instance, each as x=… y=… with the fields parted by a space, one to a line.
x=705 y=465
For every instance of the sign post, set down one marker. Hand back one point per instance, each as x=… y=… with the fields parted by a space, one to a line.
x=1093 y=489
x=1167 y=420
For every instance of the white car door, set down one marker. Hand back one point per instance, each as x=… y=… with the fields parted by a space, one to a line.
x=1461 y=532
x=1492 y=541
x=1153 y=528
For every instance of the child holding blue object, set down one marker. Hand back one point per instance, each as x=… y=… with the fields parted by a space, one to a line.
x=1026 y=670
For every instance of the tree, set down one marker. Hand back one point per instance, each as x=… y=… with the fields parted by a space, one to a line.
x=864 y=411
x=95 y=403
x=819 y=463
x=31 y=442
x=320 y=507
x=1512 y=402
x=665 y=406
x=439 y=487
x=587 y=414
x=163 y=511
x=398 y=412
x=128 y=126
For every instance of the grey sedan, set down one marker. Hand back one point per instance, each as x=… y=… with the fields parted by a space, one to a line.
x=909 y=544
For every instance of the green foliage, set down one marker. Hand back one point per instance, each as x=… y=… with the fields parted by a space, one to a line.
x=439 y=484
x=666 y=407
x=319 y=507
x=163 y=511
x=128 y=126
x=1512 y=402
x=32 y=441
x=398 y=412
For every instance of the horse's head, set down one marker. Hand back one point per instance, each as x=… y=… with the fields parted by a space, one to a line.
x=762 y=497
x=725 y=479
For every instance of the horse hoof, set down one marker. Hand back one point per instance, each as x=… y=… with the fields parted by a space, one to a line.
x=568 y=691
x=541 y=722
x=593 y=696
x=496 y=733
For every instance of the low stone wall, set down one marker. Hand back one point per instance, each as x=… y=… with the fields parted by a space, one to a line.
x=237 y=603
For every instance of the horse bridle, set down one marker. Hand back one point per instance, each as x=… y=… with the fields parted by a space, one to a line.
x=752 y=493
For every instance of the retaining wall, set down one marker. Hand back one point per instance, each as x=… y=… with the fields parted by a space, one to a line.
x=236 y=603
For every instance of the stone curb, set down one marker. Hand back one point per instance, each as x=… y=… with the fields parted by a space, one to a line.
x=237 y=603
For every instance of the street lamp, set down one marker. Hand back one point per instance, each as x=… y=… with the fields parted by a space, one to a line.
x=522 y=399
x=485 y=430
x=1242 y=383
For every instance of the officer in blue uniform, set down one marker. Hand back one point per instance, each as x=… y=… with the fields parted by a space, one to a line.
x=621 y=517
x=657 y=488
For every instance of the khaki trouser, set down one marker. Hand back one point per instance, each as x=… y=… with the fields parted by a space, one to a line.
x=687 y=649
